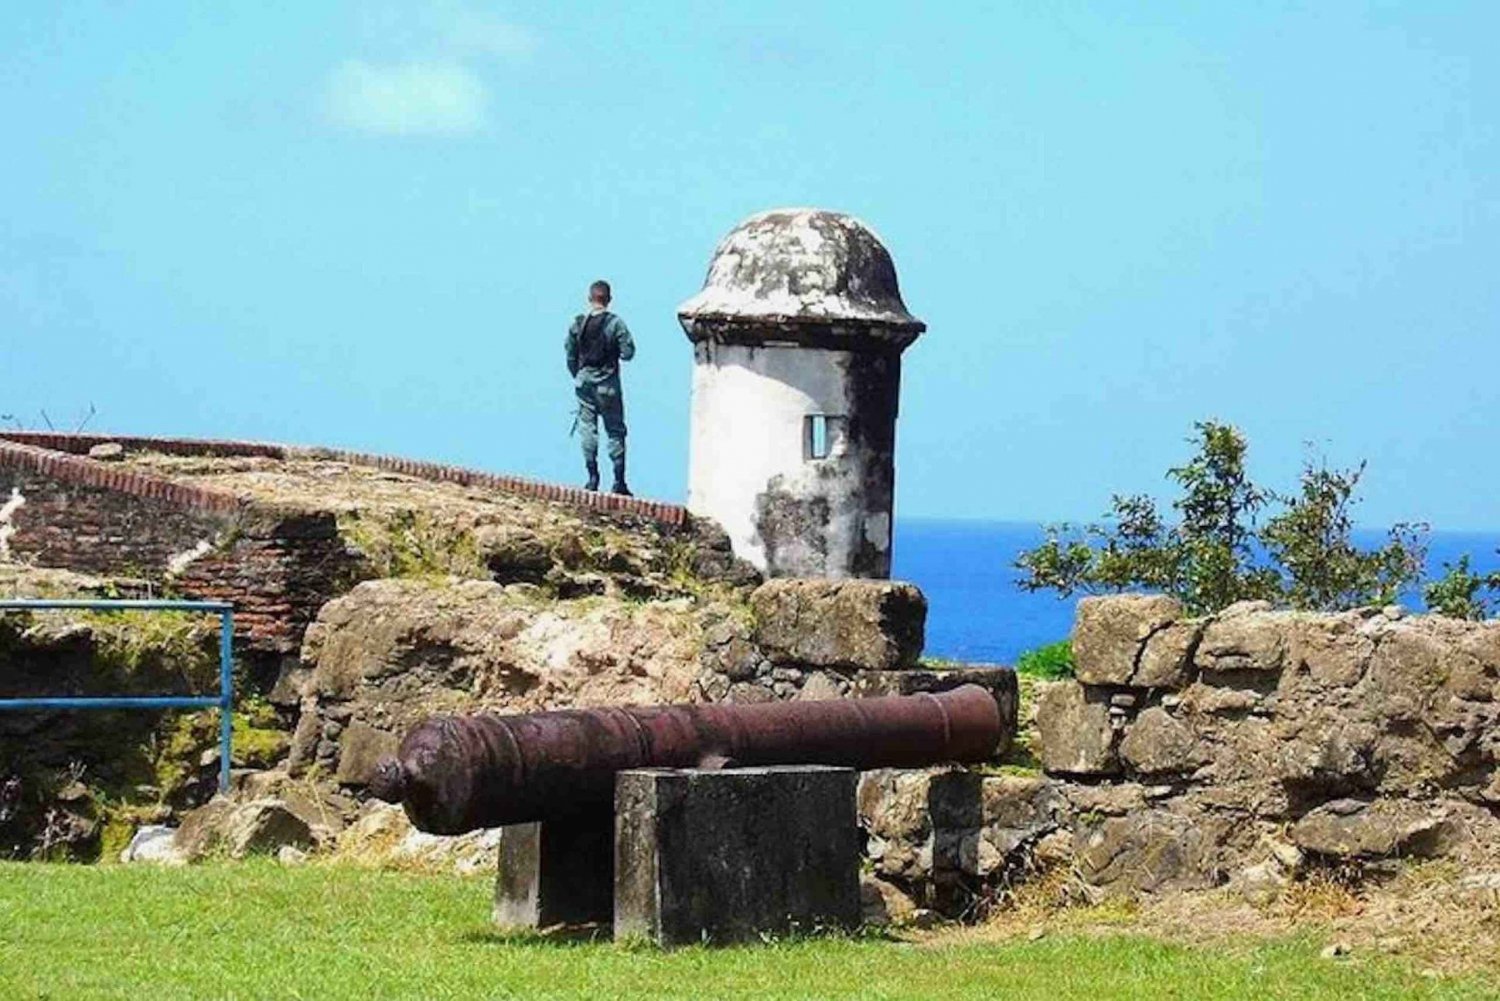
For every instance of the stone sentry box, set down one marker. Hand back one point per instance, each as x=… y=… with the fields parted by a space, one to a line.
x=694 y=855
x=798 y=334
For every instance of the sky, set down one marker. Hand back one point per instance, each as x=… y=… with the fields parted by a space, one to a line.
x=368 y=225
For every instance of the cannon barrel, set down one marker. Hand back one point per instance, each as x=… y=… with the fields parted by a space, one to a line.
x=459 y=773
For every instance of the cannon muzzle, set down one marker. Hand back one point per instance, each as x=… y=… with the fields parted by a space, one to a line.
x=458 y=773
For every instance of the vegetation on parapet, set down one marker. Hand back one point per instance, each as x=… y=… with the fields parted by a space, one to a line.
x=1049 y=663
x=1231 y=540
x=1459 y=592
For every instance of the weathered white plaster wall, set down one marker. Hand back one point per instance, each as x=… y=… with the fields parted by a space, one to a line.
x=749 y=408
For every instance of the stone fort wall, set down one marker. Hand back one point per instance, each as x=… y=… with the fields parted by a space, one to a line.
x=277 y=563
x=1243 y=749
x=77 y=513
x=569 y=598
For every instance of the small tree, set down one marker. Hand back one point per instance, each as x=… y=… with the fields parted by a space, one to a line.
x=1456 y=593
x=1321 y=567
x=1217 y=553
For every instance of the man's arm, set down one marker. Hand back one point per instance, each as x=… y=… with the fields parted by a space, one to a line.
x=571 y=345
x=623 y=340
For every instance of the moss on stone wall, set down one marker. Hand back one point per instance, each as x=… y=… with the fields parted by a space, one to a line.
x=83 y=781
x=412 y=543
x=148 y=647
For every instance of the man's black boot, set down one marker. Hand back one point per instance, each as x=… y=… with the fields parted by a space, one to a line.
x=593 y=468
x=620 y=487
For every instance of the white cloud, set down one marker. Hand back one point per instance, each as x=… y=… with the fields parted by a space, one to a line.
x=476 y=31
x=408 y=98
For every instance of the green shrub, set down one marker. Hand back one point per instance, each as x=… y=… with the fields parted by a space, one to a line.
x=1456 y=593
x=1053 y=661
x=1217 y=551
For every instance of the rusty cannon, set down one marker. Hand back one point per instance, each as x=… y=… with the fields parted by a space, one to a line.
x=459 y=773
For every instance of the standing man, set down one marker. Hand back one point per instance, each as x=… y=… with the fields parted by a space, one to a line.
x=597 y=342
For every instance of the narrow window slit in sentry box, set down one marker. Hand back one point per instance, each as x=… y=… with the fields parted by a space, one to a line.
x=819 y=434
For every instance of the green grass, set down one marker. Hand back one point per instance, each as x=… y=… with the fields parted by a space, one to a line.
x=257 y=930
x=1051 y=662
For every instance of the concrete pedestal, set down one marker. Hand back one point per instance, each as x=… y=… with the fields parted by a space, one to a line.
x=556 y=873
x=725 y=856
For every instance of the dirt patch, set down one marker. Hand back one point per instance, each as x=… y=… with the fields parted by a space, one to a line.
x=1431 y=914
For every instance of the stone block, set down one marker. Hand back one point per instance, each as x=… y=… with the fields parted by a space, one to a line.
x=360 y=747
x=1253 y=642
x=555 y=873
x=1109 y=633
x=258 y=827
x=1166 y=656
x=1145 y=851
x=874 y=625
x=1074 y=732
x=108 y=451
x=821 y=686
x=725 y=856
x=154 y=843
x=263 y=826
x=884 y=903
x=1158 y=743
x=1351 y=828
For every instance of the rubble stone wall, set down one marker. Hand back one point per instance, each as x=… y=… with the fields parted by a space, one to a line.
x=277 y=567
x=92 y=511
x=391 y=652
x=1239 y=748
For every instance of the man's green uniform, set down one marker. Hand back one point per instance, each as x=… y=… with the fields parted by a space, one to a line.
x=597 y=343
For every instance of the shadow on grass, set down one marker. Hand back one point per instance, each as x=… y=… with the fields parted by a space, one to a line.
x=567 y=936
x=576 y=936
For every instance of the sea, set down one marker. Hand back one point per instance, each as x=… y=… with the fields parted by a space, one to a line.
x=977 y=613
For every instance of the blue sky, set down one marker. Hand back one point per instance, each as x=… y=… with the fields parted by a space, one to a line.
x=368 y=225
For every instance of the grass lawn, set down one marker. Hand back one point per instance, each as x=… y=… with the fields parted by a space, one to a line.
x=257 y=930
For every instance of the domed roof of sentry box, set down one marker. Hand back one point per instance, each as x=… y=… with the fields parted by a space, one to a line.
x=801 y=275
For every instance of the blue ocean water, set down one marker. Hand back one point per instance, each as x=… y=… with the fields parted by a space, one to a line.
x=977 y=613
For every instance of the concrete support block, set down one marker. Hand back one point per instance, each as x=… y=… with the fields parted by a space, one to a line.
x=726 y=856
x=555 y=873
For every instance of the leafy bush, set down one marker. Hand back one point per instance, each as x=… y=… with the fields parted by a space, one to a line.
x=1053 y=661
x=1456 y=593
x=1217 y=552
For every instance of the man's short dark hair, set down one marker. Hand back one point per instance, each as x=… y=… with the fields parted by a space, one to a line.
x=599 y=291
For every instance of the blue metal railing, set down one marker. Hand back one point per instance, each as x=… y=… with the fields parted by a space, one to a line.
x=224 y=701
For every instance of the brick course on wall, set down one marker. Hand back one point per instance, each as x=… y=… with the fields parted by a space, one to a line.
x=277 y=576
x=103 y=529
x=277 y=566
x=277 y=570
x=79 y=445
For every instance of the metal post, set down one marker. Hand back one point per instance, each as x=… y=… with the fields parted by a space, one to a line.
x=226 y=695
